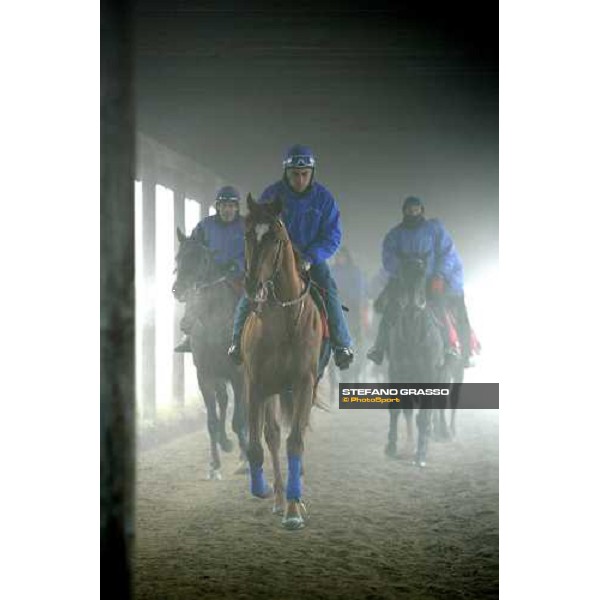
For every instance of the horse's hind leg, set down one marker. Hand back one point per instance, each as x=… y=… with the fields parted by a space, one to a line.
x=221 y=391
x=238 y=423
x=424 y=426
x=391 y=446
x=273 y=439
x=256 y=420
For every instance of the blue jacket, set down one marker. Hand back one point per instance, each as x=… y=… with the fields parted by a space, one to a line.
x=430 y=238
x=312 y=219
x=225 y=240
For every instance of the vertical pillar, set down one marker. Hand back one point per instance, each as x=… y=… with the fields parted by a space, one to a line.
x=149 y=301
x=178 y=364
x=117 y=300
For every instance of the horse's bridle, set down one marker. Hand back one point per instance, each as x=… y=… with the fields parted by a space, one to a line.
x=262 y=296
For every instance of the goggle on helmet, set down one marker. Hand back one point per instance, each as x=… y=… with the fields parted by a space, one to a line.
x=299 y=157
x=227 y=194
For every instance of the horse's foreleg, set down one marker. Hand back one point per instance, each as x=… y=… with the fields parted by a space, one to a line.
x=273 y=439
x=256 y=419
x=454 y=399
x=409 y=444
x=212 y=423
x=440 y=427
x=303 y=394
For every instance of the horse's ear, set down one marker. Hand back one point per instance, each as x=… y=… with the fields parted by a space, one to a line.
x=277 y=206
x=251 y=203
x=180 y=235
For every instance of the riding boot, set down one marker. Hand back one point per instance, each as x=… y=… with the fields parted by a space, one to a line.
x=235 y=352
x=186 y=325
x=242 y=311
x=340 y=335
x=184 y=345
x=377 y=352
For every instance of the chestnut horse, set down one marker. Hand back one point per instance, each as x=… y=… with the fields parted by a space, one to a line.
x=280 y=345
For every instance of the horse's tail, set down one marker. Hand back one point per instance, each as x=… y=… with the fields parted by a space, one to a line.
x=320 y=400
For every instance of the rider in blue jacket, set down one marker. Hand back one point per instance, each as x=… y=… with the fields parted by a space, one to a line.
x=418 y=235
x=312 y=219
x=223 y=234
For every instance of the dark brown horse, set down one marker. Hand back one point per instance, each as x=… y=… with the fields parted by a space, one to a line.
x=211 y=298
x=281 y=343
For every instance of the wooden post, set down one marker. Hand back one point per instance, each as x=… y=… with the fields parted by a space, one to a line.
x=178 y=358
x=149 y=301
x=117 y=301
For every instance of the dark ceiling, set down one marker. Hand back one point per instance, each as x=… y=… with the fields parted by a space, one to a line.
x=393 y=100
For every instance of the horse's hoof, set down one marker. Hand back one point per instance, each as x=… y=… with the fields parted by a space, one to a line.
x=243 y=469
x=226 y=445
x=267 y=493
x=419 y=462
x=391 y=451
x=278 y=510
x=292 y=523
x=214 y=475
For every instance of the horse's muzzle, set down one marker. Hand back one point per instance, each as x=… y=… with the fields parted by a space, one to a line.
x=177 y=292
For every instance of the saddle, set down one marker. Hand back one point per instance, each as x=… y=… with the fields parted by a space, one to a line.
x=237 y=285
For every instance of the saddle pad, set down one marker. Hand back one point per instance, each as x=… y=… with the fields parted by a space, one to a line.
x=452 y=331
x=317 y=296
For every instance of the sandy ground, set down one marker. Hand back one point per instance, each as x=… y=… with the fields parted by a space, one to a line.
x=378 y=528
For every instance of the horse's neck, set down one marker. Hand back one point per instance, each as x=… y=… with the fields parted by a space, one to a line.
x=413 y=323
x=289 y=284
x=216 y=306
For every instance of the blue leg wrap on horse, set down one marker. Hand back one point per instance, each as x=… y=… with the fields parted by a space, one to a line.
x=294 y=484
x=258 y=483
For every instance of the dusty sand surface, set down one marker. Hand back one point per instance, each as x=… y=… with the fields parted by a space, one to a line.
x=378 y=528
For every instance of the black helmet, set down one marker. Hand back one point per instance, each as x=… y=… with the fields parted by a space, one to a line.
x=412 y=201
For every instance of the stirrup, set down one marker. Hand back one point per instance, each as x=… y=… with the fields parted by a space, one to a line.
x=343 y=357
x=184 y=345
x=376 y=355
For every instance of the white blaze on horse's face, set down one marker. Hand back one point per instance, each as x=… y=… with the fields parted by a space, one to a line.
x=260 y=230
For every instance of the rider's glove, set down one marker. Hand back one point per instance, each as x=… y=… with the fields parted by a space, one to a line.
x=437 y=285
x=305 y=264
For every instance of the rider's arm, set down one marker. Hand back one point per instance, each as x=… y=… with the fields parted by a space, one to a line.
x=329 y=237
x=390 y=253
x=445 y=253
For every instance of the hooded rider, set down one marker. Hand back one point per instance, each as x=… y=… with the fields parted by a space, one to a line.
x=418 y=235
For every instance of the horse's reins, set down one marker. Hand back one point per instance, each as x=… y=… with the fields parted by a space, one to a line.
x=199 y=287
x=270 y=283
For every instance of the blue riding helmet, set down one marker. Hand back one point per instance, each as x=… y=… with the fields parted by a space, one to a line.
x=228 y=194
x=299 y=156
